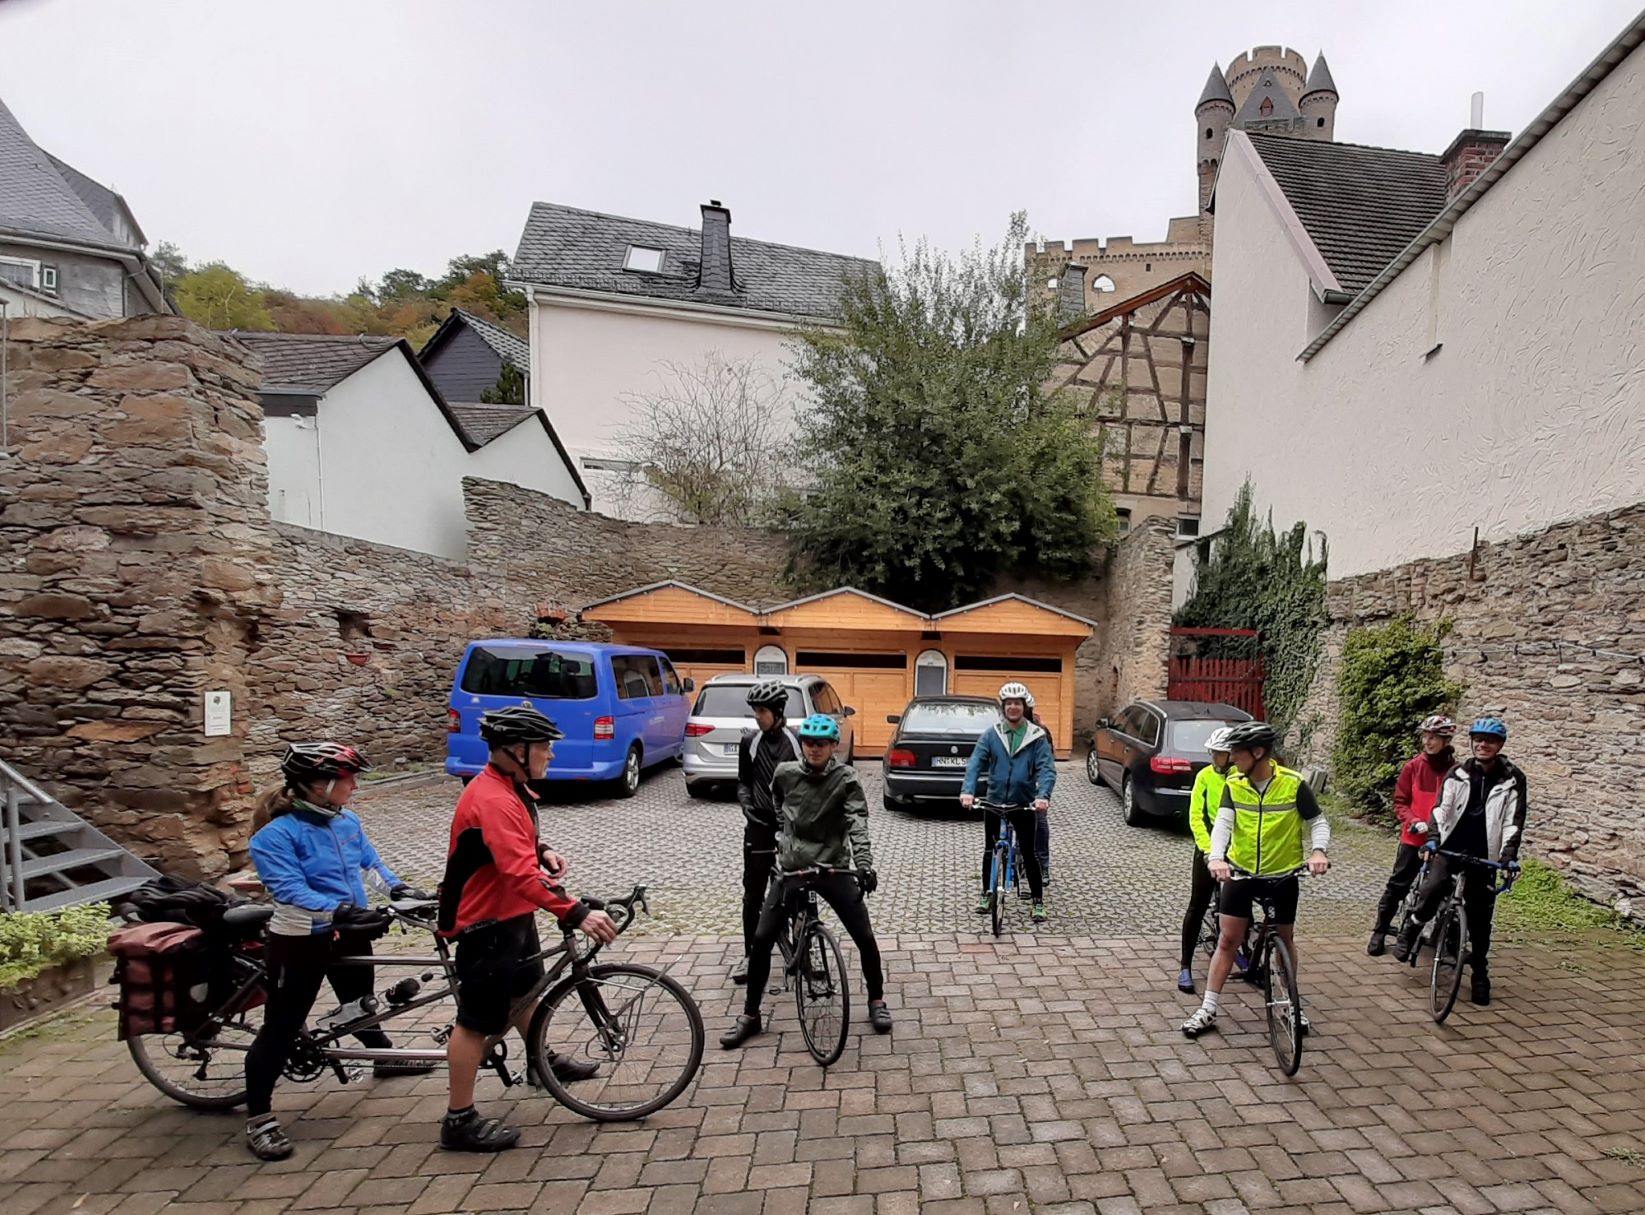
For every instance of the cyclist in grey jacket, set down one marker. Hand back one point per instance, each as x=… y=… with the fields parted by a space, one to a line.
x=822 y=818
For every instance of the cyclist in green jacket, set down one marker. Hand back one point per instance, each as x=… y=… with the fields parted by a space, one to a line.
x=1267 y=813
x=1203 y=804
x=822 y=821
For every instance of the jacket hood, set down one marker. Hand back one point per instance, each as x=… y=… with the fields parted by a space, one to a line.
x=1443 y=760
x=1031 y=731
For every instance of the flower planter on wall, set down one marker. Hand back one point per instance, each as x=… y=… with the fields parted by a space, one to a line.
x=51 y=989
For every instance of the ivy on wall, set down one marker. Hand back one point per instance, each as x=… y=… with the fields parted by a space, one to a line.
x=1392 y=676
x=1270 y=581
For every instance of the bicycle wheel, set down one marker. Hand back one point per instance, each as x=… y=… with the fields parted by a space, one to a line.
x=822 y=995
x=1284 y=1003
x=1210 y=928
x=996 y=913
x=1450 y=952
x=639 y=1024
x=203 y=1070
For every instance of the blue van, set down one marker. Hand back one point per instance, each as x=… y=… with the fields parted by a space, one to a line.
x=623 y=708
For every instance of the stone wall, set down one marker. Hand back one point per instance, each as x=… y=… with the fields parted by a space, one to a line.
x=579 y=557
x=132 y=505
x=1133 y=643
x=1548 y=632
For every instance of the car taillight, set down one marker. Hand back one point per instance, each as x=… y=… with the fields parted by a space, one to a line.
x=898 y=758
x=1167 y=765
x=696 y=729
x=605 y=727
x=454 y=722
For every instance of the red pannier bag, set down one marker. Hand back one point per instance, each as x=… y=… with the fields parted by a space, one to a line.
x=163 y=975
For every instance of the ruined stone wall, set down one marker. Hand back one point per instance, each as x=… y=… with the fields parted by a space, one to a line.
x=1131 y=659
x=1548 y=632
x=132 y=504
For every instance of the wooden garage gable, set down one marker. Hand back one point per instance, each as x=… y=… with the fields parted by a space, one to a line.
x=1014 y=615
x=845 y=608
x=673 y=601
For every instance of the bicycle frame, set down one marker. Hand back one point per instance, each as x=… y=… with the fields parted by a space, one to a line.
x=1454 y=896
x=1265 y=927
x=804 y=912
x=1008 y=838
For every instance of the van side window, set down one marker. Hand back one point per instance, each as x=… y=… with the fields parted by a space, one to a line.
x=523 y=671
x=637 y=676
x=671 y=680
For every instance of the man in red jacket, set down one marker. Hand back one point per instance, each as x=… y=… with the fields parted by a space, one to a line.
x=498 y=875
x=1415 y=794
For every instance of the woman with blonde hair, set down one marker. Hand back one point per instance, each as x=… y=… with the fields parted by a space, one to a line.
x=312 y=855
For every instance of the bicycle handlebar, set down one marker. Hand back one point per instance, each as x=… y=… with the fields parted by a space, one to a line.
x=1240 y=875
x=814 y=869
x=1002 y=806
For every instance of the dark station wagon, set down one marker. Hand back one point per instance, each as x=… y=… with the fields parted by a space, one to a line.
x=933 y=742
x=1151 y=752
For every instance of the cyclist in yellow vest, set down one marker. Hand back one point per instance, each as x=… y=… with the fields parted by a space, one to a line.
x=1266 y=809
x=1203 y=804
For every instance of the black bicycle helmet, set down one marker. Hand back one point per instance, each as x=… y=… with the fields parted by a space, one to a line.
x=768 y=694
x=305 y=762
x=519 y=723
x=1249 y=734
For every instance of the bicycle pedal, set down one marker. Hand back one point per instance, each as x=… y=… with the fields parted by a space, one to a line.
x=353 y=1073
x=777 y=989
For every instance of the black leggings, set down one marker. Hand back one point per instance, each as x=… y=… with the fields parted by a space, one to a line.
x=1201 y=891
x=1407 y=864
x=841 y=892
x=759 y=859
x=1478 y=902
x=296 y=968
x=1022 y=822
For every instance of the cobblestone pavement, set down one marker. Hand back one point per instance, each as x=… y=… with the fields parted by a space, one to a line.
x=1017 y=1080
x=1108 y=879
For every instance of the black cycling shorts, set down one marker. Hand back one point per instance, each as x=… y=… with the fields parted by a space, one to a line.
x=1239 y=897
x=490 y=973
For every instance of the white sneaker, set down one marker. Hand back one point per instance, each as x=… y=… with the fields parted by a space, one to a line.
x=1201 y=1020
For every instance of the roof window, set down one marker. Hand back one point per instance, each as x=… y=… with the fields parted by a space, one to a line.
x=644 y=259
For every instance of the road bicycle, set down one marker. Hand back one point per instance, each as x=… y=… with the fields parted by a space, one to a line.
x=636 y=1022
x=1271 y=966
x=1449 y=930
x=813 y=966
x=1004 y=864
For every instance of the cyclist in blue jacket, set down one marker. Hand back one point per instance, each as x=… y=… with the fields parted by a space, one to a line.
x=310 y=854
x=1017 y=759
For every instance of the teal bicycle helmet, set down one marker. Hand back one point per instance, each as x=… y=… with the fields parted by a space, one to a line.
x=1489 y=727
x=820 y=726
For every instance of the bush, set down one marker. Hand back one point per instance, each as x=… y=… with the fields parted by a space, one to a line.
x=1392 y=677
x=33 y=941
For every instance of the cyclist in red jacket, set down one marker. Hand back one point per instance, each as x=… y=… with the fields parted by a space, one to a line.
x=1415 y=794
x=498 y=875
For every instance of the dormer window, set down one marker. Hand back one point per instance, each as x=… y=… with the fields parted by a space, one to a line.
x=644 y=259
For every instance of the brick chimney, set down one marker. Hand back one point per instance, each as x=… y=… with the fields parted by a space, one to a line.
x=714 y=275
x=1071 y=292
x=1469 y=155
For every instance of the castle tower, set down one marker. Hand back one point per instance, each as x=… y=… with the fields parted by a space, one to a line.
x=1212 y=113
x=1319 y=103
x=1267 y=67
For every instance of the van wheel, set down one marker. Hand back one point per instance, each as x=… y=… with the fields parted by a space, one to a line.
x=628 y=784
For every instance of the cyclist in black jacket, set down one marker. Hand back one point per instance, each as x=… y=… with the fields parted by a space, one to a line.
x=758 y=755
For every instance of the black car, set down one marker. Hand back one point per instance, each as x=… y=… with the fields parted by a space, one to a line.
x=1151 y=752
x=933 y=742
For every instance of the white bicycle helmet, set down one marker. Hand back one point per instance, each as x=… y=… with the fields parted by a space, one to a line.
x=1219 y=739
x=1016 y=691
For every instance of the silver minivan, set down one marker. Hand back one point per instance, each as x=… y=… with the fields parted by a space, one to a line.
x=721 y=715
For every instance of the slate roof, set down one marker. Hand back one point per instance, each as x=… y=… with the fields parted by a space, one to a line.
x=1361 y=206
x=510 y=347
x=1319 y=79
x=484 y=423
x=1216 y=88
x=310 y=363
x=585 y=250
x=38 y=199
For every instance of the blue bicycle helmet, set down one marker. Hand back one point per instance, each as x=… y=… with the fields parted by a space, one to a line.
x=1491 y=727
x=820 y=725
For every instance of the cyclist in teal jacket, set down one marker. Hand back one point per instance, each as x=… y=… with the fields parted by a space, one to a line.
x=1016 y=758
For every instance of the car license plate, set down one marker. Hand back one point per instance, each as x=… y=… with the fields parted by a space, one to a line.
x=948 y=761
x=730 y=748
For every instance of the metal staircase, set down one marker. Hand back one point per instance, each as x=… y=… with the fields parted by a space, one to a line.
x=53 y=858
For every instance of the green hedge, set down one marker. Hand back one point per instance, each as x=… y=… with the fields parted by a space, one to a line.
x=1392 y=676
x=33 y=941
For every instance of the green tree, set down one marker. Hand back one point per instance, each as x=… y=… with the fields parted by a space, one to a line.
x=1269 y=581
x=508 y=390
x=220 y=298
x=1392 y=677
x=935 y=457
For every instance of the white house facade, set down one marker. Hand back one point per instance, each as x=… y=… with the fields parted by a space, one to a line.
x=361 y=444
x=1433 y=345
x=616 y=303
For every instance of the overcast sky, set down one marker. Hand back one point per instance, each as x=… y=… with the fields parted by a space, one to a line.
x=310 y=142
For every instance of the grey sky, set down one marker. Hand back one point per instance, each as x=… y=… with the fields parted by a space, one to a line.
x=310 y=142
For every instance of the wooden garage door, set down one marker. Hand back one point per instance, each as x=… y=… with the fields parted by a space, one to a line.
x=703 y=664
x=873 y=684
x=982 y=675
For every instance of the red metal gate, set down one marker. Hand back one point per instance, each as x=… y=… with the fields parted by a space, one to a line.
x=1219 y=665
